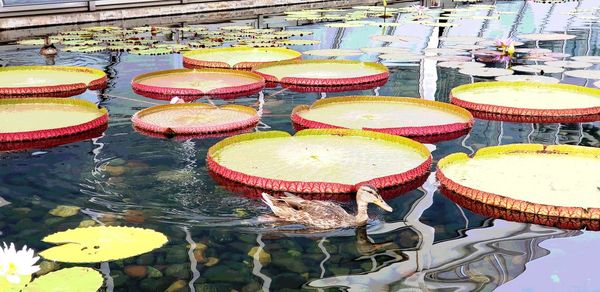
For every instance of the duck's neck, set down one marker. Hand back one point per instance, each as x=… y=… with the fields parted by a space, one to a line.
x=361 y=215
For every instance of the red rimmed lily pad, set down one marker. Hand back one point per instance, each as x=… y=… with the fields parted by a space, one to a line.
x=319 y=160
x=191 y=84
x=529 y=101
x=237 y=57
x=38 y=119
x=194 y=119
x=534 y=179
x=55 y=81
x=409 y=117
x=323 y=73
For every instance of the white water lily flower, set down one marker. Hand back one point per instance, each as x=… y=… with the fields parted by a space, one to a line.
x=14 y=264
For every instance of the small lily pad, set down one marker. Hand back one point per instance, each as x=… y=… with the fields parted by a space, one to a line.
x=546 y=37
x=406 y=57
x=76 y=279
x=528 y=78
x=587 y=59
x=299 y=42
x=31 y=42
x=385 y=50
x=84 y=49
x=585 y=74
x=101 y=243
x=333 y=53
x=460 y=64
x=570 y=64
x=486 y=72
x=154 y=51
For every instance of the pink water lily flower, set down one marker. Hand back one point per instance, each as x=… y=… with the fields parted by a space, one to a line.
x=14 y=264
x=504 y=43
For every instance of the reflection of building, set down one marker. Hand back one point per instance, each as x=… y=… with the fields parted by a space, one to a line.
x=483 y=258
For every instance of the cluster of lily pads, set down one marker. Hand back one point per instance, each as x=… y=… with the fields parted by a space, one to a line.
x=80 y=245
x=158 y=40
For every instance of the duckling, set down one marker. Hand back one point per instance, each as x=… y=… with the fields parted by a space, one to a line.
x=48 y=49
x=323 y=214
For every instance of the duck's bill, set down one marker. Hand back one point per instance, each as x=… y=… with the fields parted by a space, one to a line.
x=383 y=205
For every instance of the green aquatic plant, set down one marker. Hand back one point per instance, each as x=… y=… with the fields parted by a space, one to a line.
x=101 y=243
x=76 y=279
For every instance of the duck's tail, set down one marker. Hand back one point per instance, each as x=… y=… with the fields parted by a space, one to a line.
x=268 y=200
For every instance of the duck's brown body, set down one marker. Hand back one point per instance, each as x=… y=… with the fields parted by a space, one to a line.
x=323 y=214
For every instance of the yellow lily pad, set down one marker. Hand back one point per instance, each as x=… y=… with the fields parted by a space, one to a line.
x=31 y=42
x=76 y=279
x=299 y=42
x=101 y=243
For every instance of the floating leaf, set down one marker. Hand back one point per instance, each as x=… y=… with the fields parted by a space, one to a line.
x=101 y=243
x=485 y=72
x=152 y=51
x=77 y=279
x=587 y=59
x=546 y=37
x=6 y=286
x=84 y=49
x=585 y=74
x=333 y=53
x=31 y=42
x=528 y=78
x=570 y=64
x=460 y=64
x=299 y=42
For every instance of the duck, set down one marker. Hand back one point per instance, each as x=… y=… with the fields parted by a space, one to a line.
x=324 y=214
x=48 y=49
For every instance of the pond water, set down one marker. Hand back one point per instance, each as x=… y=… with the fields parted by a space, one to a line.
x=428 y=242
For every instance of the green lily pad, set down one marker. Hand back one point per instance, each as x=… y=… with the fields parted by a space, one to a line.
x=76 y=279
x=101 y=243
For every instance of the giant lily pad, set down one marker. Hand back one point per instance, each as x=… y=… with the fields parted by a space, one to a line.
x=393 y=115
x=239 y=57
x=59 y=81
x=101 y=243
x=556 y=181
x=76 y=279
x=319 y=160
x=529 y=101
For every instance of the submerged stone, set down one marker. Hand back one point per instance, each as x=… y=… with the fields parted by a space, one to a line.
x=179 y=271
x=154 y=273
x=136 y=271
x=64 y=211
x=263 y=257
x=87 y=223
x=176 y=286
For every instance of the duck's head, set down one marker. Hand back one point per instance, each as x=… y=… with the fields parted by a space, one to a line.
x=368 y=194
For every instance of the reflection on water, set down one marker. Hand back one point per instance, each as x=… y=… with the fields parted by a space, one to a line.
x=215 y=240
